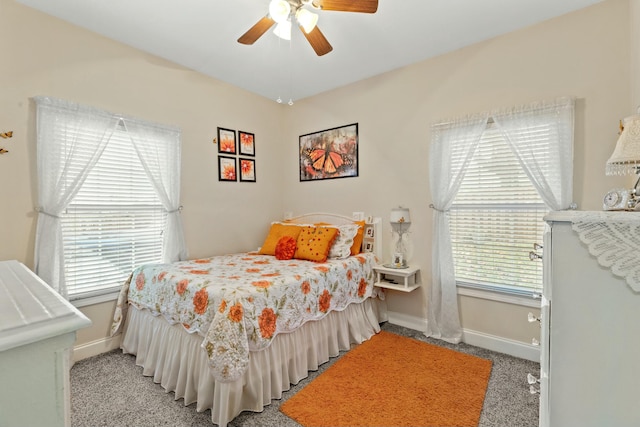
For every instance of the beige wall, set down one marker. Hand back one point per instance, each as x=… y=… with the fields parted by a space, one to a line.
x=45 y=56
x=585 y=54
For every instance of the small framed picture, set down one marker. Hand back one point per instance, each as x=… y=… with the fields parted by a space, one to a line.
x=247 y=170
x=369 y=232
x=247 y=143
x=226 y=141
x=368 y=247
x=226 y=168
x=369 y=219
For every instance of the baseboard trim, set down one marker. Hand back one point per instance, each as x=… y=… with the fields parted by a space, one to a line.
x=501 y=345
x=96 y=347
x=406 y=321
x=514 y=348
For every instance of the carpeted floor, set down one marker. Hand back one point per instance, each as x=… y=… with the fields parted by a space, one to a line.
x=109 y=390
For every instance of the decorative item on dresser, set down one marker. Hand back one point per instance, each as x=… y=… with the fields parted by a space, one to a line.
x=625 y=160
x=590 y=320
x=37 y=333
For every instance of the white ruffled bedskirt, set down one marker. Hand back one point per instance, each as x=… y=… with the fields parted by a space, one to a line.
x=177 y=362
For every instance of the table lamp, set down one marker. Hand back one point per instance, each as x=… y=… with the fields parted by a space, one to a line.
x=400 y=220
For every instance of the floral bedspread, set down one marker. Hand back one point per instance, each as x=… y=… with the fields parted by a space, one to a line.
x=240 y=302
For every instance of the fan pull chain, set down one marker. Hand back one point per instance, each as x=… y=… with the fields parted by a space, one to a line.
x=279 y=100
x=290 y=73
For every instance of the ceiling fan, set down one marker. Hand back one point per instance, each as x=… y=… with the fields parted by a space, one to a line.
x=284 y=12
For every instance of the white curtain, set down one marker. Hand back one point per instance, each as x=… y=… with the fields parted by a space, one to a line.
x=159 y=151
x=452 y=147
x=65 y=132
x=550 y=168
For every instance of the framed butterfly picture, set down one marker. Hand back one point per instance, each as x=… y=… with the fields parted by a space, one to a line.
x=330 y=153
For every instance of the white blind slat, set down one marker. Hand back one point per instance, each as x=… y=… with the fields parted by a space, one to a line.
x=498 y=215
x=113 y=224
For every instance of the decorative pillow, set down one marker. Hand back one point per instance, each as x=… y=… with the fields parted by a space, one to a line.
x=286 y=247
x=276 y=232
x=356 y=248
x=314 y=243
x=341 y=247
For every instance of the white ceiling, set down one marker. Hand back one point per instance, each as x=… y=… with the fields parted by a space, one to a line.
x=202 y=34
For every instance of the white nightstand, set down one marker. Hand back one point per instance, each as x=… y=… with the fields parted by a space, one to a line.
x=399 y=279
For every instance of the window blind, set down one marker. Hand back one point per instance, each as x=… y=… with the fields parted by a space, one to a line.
x=113 y=224
x=497 y=215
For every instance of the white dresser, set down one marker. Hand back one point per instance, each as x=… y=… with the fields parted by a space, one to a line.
x=590 y=340
x=37 y=330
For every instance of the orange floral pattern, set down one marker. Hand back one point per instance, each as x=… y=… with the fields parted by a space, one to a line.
x=200 y=301
x=140 y=282
x=267 y=322
x=182 y=286
x=324 y=302
x=244 y=301
x=236 y=312
x=229 y=172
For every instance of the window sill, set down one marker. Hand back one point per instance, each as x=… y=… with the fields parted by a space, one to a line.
x=97 y=299
x=526 y=300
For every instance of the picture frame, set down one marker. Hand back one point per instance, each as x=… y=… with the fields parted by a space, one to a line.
x=368 y=232
x=368 y=246
x=227 y=168
x=330 y=153
x=247 y=169
x=247 y=146
x=226 y=141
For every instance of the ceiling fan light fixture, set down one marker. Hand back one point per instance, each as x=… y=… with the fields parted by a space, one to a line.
x=307 y=20
x=279 y=10
x=283 y=30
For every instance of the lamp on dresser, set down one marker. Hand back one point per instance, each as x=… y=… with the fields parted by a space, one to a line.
x=625 y=160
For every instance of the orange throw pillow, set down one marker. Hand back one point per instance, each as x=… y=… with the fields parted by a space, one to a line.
x=276 y=232
x=285 y=248
x=356 y=248
x=314 y=243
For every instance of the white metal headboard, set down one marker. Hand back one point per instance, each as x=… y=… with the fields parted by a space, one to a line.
x=372 y=241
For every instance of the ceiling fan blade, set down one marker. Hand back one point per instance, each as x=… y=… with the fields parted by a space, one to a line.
x=255 y=32
x=362 y=6
x=318 y=41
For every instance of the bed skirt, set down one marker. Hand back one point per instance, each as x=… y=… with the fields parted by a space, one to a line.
x=177 y=362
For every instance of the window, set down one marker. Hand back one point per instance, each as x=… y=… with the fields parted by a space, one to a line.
x=497 y=216
x=113 y=224
x=108 y=197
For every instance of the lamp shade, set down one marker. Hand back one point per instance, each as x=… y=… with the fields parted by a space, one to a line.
x=625 y=159
x=306 y=19
x=283 y=30
x=400 y=216
x=279 y=10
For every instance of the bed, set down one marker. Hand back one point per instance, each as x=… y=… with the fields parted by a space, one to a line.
x=232 y=332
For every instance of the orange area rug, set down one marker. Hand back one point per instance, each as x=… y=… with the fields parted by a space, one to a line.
x=392 y=380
